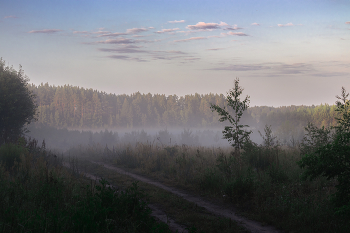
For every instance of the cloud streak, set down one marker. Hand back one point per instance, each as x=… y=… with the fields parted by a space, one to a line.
x=285 y=25
x=177 y=21
x=206 y=26
x=234 y=34
x=192 y=38
x=126 y=49
x=48 y=31
x=167 y=30
x=276 y=68
x=136 y=30
x=348 y=22
x=127 y=58
x=11 y=17
x=232 y=28
x=117 y=41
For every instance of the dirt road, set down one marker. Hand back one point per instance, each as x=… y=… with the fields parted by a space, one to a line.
x=250 y=225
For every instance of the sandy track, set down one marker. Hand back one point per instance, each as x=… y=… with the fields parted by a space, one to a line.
x=156 y=212
x=250 y=225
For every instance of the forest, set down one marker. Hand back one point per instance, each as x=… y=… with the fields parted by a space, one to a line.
x=74 y=107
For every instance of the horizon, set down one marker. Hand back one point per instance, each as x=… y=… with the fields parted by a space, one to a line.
x=284 y=52
x=153 y=94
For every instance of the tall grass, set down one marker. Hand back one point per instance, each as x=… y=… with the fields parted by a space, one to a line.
x=265 y=184
x=39 y=195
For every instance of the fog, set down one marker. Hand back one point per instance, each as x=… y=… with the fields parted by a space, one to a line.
x=63 y=139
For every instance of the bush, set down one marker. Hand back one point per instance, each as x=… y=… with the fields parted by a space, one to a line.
x=332 y=160
x=17 y=105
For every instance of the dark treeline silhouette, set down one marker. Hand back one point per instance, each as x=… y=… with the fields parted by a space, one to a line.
x=75 y=107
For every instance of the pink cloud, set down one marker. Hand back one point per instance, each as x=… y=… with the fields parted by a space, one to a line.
x=136 y=30
x=348 y=22
x=192 y=38
x=235 y=34
x=206 y=26
x=177 y=21
x=285 y=25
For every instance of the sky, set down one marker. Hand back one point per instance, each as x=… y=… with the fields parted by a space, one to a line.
x=285 y=52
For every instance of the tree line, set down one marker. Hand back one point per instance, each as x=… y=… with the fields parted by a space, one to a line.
x=77 y=107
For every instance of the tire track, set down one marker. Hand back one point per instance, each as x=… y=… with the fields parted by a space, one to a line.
x=252 y=226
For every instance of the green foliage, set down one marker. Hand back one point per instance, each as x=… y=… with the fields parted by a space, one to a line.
x=37 y=197
x=263 y=156
x=17 y=106
x=9 y=153
x=269 y=140
x=314 y=138
x=332 y=160
x=241 y=187
x=235 y=134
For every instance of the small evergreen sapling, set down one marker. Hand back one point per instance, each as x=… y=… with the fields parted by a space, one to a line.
x=235 y=133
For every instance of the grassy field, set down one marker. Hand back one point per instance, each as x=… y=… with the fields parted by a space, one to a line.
x=264 y=185
x=39 y=195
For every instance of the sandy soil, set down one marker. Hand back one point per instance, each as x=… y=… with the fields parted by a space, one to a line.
x=250 y=225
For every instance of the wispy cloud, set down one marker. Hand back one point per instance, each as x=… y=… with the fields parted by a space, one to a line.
x=115 y=34
x=136 y=30
x=276 y=68
x=176 y=52
x=255 y=24
x=46 y=31
x=177 y=21
x=235 y=27
x=234 y=34
x=11 y=17
x=127 y=58
x=206 y=26
x=215 y=49
x=81 y=32
x=295 y=68
x=167 y=30
x=348 y=22
x=243 y=67
x=117 y=41
x=189 y=39
x=285 y=25
x=125 y=49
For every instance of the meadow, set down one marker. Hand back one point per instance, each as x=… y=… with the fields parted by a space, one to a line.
x=40 y=195
x=264 y=185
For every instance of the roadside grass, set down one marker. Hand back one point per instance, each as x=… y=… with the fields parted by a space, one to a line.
x=266 y=186
x=197 y=219
x=39 y=195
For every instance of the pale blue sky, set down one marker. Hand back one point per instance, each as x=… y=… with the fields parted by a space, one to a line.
x=284 y=52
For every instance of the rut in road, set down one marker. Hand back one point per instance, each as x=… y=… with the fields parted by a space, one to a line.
x=250 y=225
